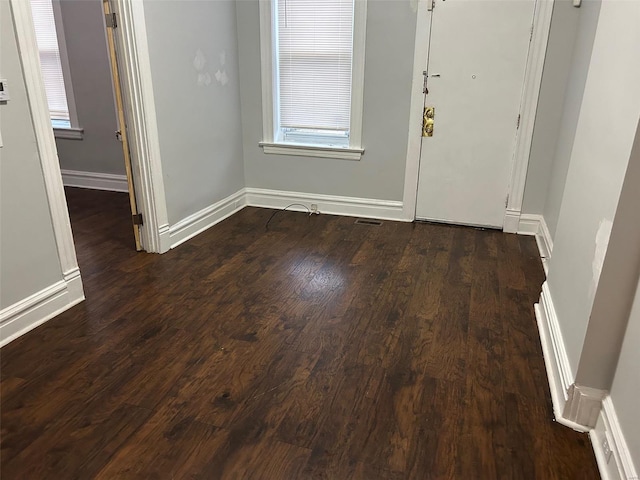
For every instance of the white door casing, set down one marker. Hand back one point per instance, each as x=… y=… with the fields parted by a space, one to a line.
x=139 y=104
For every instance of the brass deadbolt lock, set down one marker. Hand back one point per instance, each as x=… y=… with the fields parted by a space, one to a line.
x=428 y=115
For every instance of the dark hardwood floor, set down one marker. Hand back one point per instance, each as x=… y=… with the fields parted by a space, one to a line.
x=315 y=349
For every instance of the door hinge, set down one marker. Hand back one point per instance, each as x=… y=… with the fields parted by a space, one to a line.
x=431 y=4
x=518 y=122
x=110 y=20
x=137 y=219
x=506 y=201
x=425 y=90
x=118 y=135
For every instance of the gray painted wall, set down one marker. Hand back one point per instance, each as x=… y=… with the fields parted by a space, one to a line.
x=379 y=174
x=28 y=255
x=626 y=384
x=616 y=286
x=198 y=117
x=565 y=72
x=99 y=150
x=600 y=154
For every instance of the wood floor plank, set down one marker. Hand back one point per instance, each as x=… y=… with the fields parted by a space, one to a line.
x=166 y=446
x=315 y=348
x=267 y=460
x=84 y=442
x=484 y=437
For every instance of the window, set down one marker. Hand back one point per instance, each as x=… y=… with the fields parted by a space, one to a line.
x=56 y=83
x=312 y=76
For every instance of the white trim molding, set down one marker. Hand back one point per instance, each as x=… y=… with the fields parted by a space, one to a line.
x=357 y=73
x=31 y=69
x=311 y=151
x=583 y=405
x=328 y=204
x=200 y=221
x=267 y=61
x=414 y=138
x=69 y=133
x=74 y=132
x=206 y=218
x=528 y=110
x=619 y=466
x=27 y=314
x=95 y=181
x=574 y=406
x=556 y=360
x=140 y=112
x=511 y=221
x=530 y=224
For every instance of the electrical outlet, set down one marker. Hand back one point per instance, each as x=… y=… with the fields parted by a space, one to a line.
x=4 y=93
x=314 y=208
x=606 y=449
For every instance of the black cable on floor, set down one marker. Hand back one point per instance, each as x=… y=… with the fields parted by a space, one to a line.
x=278 y=211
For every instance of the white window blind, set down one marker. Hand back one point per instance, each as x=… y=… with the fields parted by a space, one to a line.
x=50 y=58
x=314 y=53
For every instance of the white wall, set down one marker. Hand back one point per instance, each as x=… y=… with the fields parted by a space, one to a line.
x=600 y=154
x=565 y=72
x=28 y=255
x=99 y=150
x=198 y=116
x=625 y=391
x=387 y=90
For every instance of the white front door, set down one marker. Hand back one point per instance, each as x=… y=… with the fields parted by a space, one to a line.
x=475 y=73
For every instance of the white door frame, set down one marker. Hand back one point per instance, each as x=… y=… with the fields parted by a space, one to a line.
x=528 y=108
x=142 y=127
x=31 y=70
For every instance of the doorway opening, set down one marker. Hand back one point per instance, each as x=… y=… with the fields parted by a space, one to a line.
x=77 y=52
x=137 y=94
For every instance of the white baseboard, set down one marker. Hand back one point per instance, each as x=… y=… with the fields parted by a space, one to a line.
x=530 y=224
x=556 y=360
x=194 y=224
x=620 y=465
x=329 y=204
x=164 y=233
x=95 y=181
x=511 y=220
x=583 y=405
x=27 y=314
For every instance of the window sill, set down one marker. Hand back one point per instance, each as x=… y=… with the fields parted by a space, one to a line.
x=312 y=151
x=69 y=133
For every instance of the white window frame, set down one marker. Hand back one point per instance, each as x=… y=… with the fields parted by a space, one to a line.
x=74 y=131
x=269 y=114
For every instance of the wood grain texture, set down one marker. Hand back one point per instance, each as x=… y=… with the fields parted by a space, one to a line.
x=315 y=349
